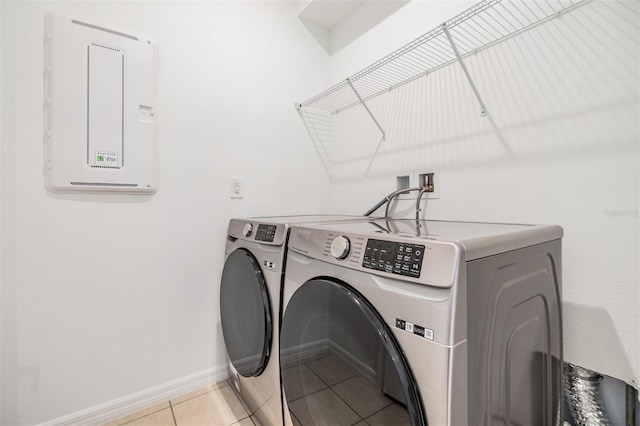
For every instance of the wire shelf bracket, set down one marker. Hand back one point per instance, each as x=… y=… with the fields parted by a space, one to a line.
x=483 y=107
x=384 y=134
x=364 y=104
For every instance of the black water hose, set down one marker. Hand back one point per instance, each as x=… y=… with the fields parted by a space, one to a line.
x=386 y=200
x=377 y=206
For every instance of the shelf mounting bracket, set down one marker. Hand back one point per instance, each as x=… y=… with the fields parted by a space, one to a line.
x=483 y=107
x=384 y=134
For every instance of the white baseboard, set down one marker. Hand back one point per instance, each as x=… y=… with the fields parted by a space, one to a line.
x=304 y=352
x=356 y=364
x=129 y=404
x=320 y=348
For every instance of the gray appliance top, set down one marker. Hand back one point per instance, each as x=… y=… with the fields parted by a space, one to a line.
x=272 y=230
x=478 y=239
x=316 y=218
x=426 y=251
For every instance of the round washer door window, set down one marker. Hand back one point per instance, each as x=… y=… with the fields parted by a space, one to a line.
x=341 y=363
x=245 y=312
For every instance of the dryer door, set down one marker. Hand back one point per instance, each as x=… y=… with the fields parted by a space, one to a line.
x=340 y=362
x=245 y=312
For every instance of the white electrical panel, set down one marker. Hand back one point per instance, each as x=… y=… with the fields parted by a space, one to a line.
x=100 y=108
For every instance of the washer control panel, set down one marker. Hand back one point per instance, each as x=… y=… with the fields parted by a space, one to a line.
x=404 y=258
x=394 y=257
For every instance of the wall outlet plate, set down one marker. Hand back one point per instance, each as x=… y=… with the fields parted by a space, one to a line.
x=236 y=189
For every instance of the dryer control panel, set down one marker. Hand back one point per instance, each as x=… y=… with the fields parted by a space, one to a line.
x=253 y=230
x=266 y=232
x=404 y=258
x=393 y=257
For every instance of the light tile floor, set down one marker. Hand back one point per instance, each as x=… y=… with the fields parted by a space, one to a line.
x=327 y=392
x=215 y=405
x=320 y=392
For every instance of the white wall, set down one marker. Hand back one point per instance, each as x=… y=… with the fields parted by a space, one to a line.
x=1 y=220
x=104 y=296
x=87 y=319
x=563 y=149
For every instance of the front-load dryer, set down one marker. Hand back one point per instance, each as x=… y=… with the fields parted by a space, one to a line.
x=250 y=308
x=396 y=322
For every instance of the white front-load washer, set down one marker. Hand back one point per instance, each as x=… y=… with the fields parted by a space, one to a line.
x=396 y=322
x=250 y=308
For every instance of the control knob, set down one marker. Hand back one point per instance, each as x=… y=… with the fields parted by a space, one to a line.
x=340 y=247
x=247 y=229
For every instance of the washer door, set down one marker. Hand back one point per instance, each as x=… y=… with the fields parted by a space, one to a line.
x=245 y=312
x=341 y=363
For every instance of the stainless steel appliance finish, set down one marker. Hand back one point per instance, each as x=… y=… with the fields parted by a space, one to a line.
x=250 y=307
x=445 y=323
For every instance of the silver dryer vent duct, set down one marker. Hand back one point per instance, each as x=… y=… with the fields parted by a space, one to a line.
x=581 y=388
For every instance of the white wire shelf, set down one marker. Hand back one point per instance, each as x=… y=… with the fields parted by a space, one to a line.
x=477 y=28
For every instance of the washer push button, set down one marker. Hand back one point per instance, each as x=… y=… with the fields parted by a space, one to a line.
x=412 y=260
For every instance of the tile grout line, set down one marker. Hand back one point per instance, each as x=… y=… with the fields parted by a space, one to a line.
x=340 y=397
x=331 y=387
x=138 y=418
x=291 y=413
x=309 y=394
x=197 y=396
x=392 y=402
x=248 y=416
x=326 y=386
x=333 y=390
x=307 y=364
x=175 y=422
x=380 y=410
x=347 y=404
x=171 y=404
